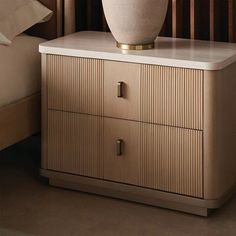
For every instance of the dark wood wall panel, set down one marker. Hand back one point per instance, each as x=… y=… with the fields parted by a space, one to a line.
x=219 y=24
x=232 y=20
x=197 y=19
x=180 y=19
x=89 y=15
x=167 y=26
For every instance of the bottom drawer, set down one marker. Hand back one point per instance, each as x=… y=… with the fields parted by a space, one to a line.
x=153 y=156
x=121 y=151
x=171 y=159
x=75 y=143
x=147 y=155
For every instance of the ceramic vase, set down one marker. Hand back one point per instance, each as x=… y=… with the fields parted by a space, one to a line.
x=135 y=24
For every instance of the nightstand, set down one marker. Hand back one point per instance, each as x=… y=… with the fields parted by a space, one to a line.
x=156 y=126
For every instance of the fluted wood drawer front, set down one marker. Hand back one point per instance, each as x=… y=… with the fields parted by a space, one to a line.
x=123 y=78
x=75 y=84
x=153 y=156
x=172 y=96
x=121 y=136
x=171 y=159
x=75 y=143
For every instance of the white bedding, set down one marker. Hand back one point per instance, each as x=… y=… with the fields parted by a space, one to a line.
x=20 y=69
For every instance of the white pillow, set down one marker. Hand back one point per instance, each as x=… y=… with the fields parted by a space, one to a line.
x=16 y=16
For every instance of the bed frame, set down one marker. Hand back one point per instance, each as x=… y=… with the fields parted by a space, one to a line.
x=21 y=119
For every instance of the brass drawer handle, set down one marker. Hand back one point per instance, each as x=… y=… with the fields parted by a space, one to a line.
x=119 y=144
x=120 y=88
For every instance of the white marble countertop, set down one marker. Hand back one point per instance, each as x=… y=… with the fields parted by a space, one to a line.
x=174 y=52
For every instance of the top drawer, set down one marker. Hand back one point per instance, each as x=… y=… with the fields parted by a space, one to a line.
x=75 y=84
x=172 y=96
x=152 y=94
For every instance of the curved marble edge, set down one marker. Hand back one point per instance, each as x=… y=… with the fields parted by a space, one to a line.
x=183 y=53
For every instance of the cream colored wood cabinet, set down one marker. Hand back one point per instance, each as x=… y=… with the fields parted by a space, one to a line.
x=157 y=126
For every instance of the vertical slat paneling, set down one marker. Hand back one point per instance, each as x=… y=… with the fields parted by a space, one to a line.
x=180 y=19
x=89 y=14
x=176 y=22
x=212 y=19
x=232 y=20
x=172 y=96
x=219 y=20
x=196 y=19
x=167 y=26
x=192 y=19
x=75 y=84
x=75 y=143
x=199 y=19
x=171 y=159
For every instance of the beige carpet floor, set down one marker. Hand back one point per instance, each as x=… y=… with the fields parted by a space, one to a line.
x=28 y=206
